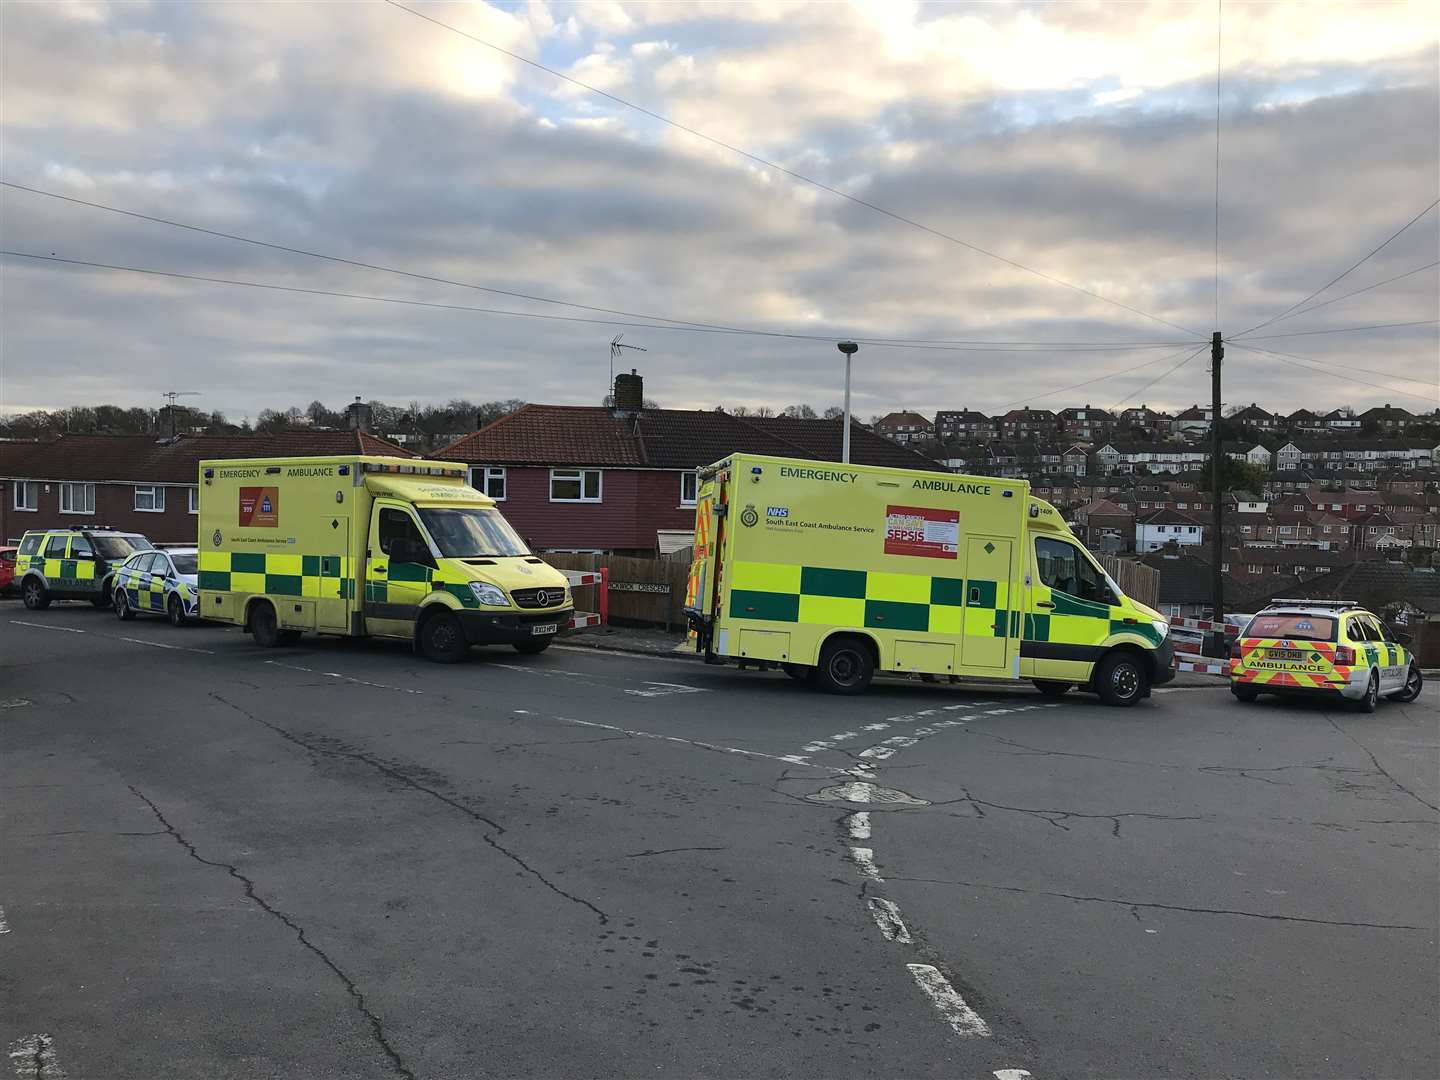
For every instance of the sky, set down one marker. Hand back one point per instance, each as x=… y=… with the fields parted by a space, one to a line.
x=1054 y=166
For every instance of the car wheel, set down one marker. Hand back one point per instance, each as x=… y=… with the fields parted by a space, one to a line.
x=1120 y=679
x=1050 y=688
x=1414 y=681
x=442 y=639
x=1372 y=694
x=122 y=606
x=263 y=626
x=1243 y=692
x=533 y=648
x=175 y=608
x=35 y=595
x=846 y=666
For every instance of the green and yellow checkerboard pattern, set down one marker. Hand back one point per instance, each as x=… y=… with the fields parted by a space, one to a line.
x=377 y=584
x=318 y=576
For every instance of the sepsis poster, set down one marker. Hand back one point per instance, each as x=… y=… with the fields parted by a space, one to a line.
x=922 y=530
x=259 y=507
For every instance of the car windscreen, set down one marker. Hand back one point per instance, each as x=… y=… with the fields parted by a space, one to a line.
x=471 y=533
x=186 y=564
x=1292 y=626
x=116 y=548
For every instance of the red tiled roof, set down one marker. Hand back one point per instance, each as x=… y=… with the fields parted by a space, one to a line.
x=174 y=461
x=664 y=439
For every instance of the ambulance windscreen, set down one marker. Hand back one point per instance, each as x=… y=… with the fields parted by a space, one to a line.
x=472 y=533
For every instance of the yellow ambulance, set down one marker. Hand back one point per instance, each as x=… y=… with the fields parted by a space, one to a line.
x=834 y=572
x=370 y=546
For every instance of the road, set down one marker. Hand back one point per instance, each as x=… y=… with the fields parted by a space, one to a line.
x=338 y=860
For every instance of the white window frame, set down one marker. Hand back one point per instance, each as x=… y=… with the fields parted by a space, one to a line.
x=26 y=497
x=578 y=475
x=482 y=475
x=67 y=498
x=694 y=484
x=157 y=498
x=193 y=500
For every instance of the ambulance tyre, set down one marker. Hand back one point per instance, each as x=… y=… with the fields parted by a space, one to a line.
x=264 y=627
x=34 y=595
x=442 y=639
x=1120 y=678
x=1051 y=688
x=122 y=606
x=846 y=665
x=1243 y=692
x=1372 y=694
x=1413 y=682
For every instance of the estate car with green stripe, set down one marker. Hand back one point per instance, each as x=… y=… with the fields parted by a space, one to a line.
x=72 y=564
x=835 y=571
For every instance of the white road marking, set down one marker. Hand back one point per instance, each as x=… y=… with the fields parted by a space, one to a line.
x=877 y=753
x=33 y=1057
x=864 y=858
x=344 y=678
x=858 y=825
x=789 y=759
x=158 y=645
x=1011 y=1074
x=46 y=626
x=664 y=689
x=875 y=727
x=887 y=918
x=15 y=703
x=4 y=926
x=963 y=1020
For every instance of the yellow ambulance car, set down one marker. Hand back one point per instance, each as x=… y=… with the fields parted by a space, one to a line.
x=370 y=546
x=834 y=572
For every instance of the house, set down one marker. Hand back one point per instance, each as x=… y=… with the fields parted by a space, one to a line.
x=1387 y=419
x=1106 y=527
x=1186 y=587
x=1086 y=423
x=1162 y=527
x=622 y=479
x=1253 y=453
x=1028 y=423
x=1145 y=418
x=963 y=425
x=1305 y=422
x=1342 y=420
x=138 y=483
x=1193 y=422
x=1253 y=416
x=1075 y=461
x=905 y=427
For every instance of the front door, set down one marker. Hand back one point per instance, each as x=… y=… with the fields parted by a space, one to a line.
x=988 y=604
x=398 y=568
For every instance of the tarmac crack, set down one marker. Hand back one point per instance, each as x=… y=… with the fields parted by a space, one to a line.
x=1057 y=818
x=673 y=850
x=1378 y=767
x=376 y=1028
x=409 y=781
x=1133 y=904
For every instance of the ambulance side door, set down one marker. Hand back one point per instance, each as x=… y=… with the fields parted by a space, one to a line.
x=398 y=569
x=1068 y=620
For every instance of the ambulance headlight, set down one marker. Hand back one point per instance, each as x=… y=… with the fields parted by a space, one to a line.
x=1161 y=627
x=488 y=594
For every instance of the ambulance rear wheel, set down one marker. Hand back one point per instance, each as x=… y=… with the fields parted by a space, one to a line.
x=1120 y=679
x=122 y=606
x=1052 y=689
x=846 y=666
x=442 y=639
x=35 y=595
x=1243 y=692
x=264 y=627
x=1372 y=694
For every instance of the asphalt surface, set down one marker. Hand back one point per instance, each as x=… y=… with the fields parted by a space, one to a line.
x=338 y=860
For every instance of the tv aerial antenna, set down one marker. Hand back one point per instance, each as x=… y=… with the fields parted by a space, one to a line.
x=170 y=396
x=615 y=347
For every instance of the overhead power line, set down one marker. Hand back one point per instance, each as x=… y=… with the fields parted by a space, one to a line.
x=1346 y=366
x=1101 y=378
x=1337 y=330
x=649 y=319
x=1163 y=375
x=977 y=347
x=1284 y=358
x=1357 y=292
x=820 y=184
x=1345 y=273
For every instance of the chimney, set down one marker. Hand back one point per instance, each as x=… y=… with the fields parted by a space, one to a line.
x=357 y=415
x=629 y=393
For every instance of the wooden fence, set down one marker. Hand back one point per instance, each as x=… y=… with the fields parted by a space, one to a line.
x=652 y=590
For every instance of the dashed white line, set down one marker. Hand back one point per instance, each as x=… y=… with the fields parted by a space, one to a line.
x=47 y=626
x=159 y=645
x=858 y=825
x=887 y=918
x=1012 y=1074
x=33 y=1058
x=664 y=689
x=789 y=759
x=963 y=1020
x=344 y=678
x=864 y=859
x=4 y=925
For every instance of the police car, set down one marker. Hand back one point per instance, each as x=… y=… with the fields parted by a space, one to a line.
x=1323 y=648
x=72 y=564
x=158 y=583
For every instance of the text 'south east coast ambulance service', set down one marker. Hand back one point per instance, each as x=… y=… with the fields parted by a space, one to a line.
x=837 y=571
x=370 y=546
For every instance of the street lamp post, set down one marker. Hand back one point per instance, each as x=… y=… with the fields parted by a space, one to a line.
x=849 y=348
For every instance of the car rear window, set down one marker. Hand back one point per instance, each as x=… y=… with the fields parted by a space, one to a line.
x=30 y=544
x=1295 y=626
x=116 y=548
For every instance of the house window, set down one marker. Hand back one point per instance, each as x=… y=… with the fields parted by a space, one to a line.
x=489 y=480
x=688 y=486
x=27 y=495
x=574 y=485
x=1286 y=530
x=194 y=500
x=1224 y=567
x=77 y=498
x=150 y=499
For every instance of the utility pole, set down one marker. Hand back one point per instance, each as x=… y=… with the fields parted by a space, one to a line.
x=849 y=348
x=1217 y=456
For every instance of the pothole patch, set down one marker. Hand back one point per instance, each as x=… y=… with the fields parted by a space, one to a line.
x=866 y=794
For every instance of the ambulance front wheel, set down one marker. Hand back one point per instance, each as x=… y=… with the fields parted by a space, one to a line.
x=846 y=666
x=1414 y=682
x=1121 y=679
x=442 y=639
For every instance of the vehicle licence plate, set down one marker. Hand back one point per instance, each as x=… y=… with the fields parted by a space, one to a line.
x=1286 y=654
x=545 y=628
